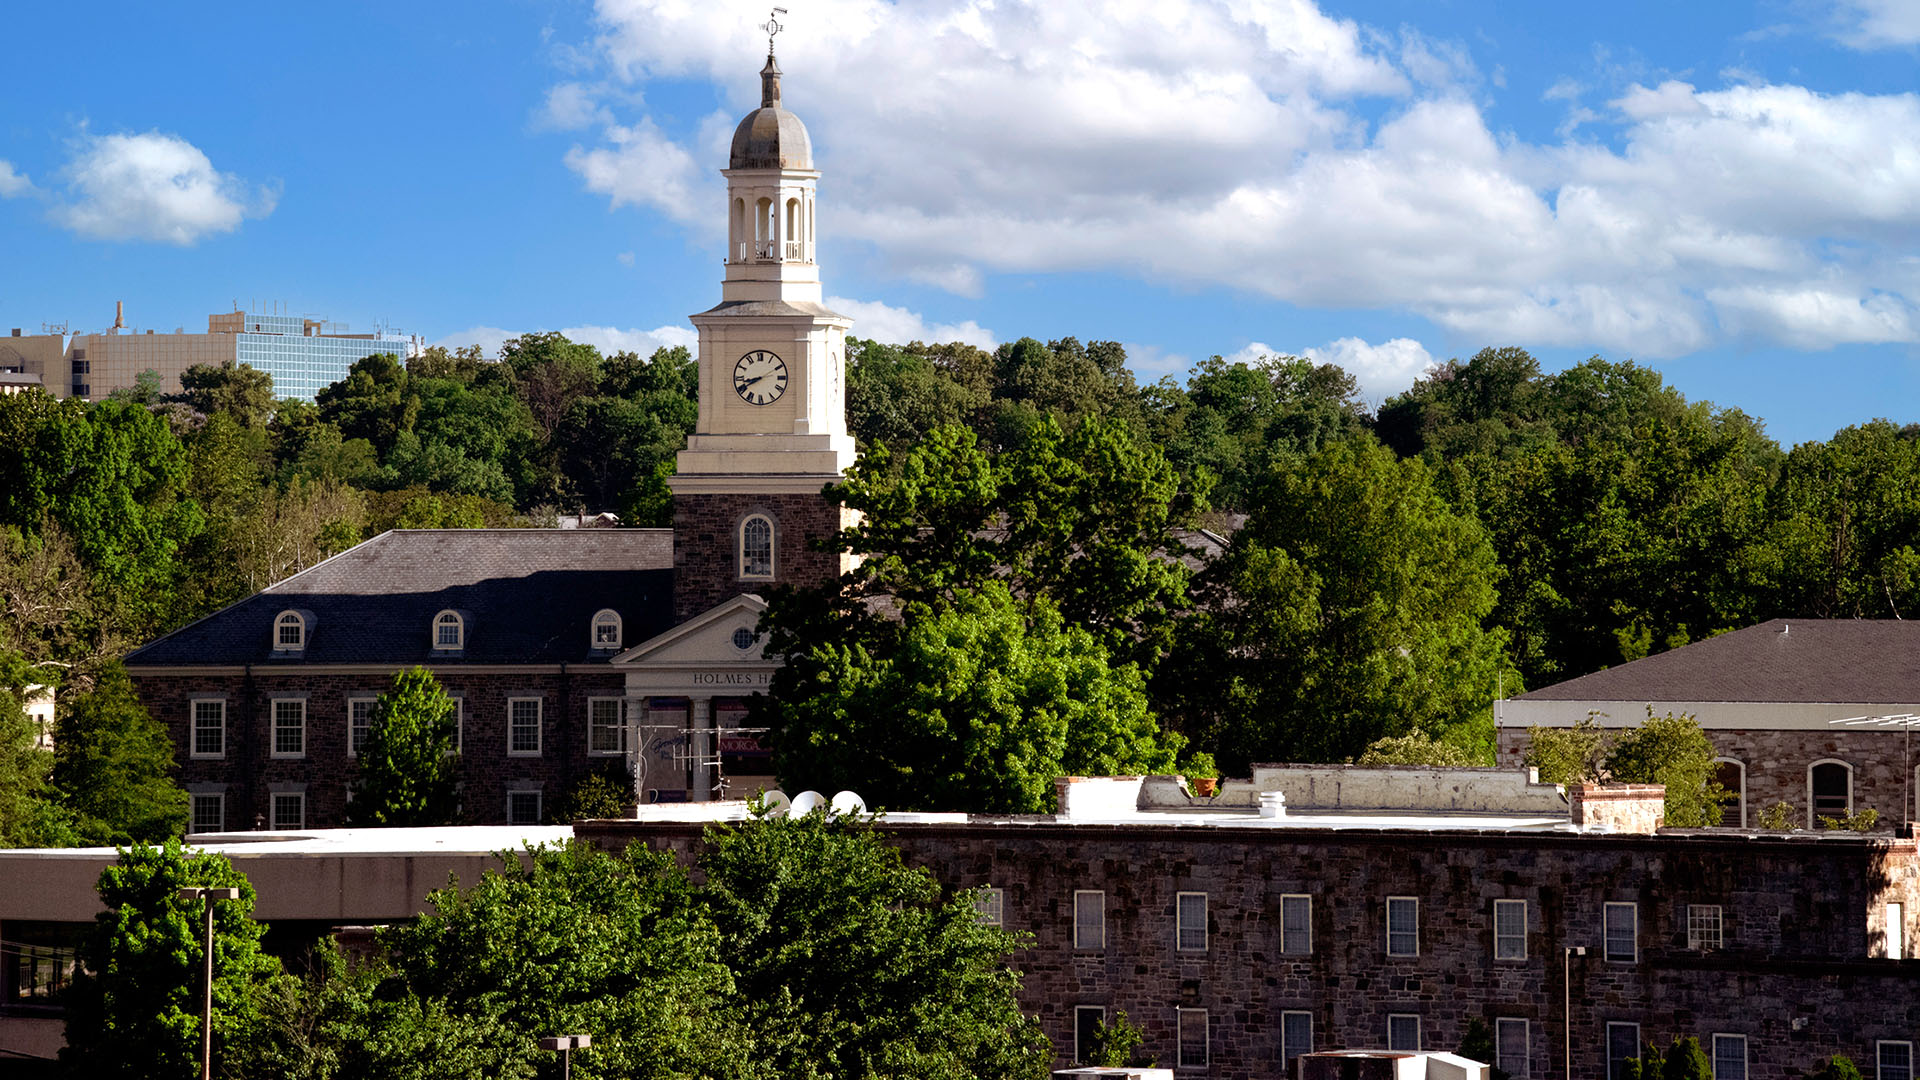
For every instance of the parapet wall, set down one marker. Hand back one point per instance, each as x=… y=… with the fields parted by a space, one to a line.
x=1392 y=788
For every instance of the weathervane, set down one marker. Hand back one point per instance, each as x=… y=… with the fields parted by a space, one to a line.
x=772 y=26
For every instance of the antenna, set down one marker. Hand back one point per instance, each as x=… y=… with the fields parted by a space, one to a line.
x=772 y=26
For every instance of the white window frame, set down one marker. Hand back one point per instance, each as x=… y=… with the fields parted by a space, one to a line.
x=459 y=625
x=1880 y=1060
x=773 y=548
x=1813 y=817
x=1741 y=801
x=193 y=728
x=990 y=905
x=1504 y=943
x=273 y=717
x=1098 y=899
x=193 y=812
x=539 y=722
x=1394 y=1019
x=1607 y=913
x=1182 y=931
x=1608 y=1048
x=1699 y=918
x=296 y=620
x=1079 y=1052
x=1518 y=1070
x=1286 y=942
x=1288 y=1051
x=595 y=727
x=1181 y=1017
x=1392 y=902
x=352 y=751
x=273 y=806
x=1713 y=1054
x=539 y=805
x=1893 y=935
x=605 y=617
x=459 y=722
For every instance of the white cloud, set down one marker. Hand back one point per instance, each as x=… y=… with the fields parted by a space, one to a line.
x=1149 y=362
x=153 y=187
x=1381 y=370
x=625 y=258
x=608 y=339
x=1223 y=143
x=12 y=183
x=1814 y=316
x=571 y=106
x=898 y=326
x=1877 y=24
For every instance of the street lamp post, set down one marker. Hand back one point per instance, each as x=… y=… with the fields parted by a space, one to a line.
x=1566 y=1002
x=206 y=999
x=566 y=1045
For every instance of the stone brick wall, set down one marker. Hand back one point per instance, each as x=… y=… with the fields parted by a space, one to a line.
x=706 y=567
x=1626 y=808
x=1793 y=975
x=1777 y=762
x=250 y=772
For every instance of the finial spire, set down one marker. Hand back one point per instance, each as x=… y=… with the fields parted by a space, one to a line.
x=770 y=75
x=772 y=26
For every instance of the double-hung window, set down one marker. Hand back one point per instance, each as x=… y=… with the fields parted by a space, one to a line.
x=209 y=728
x=1296 y=1037
x=1296 y=925
x=1511 y=1052
x=1403 y=1032
x=1509 y=929
x=989 y=906
x=1403 y=926
x=523 y=808
x=1192 y=1029
x=1729 y=1057
x=209 y=813
x=1894 y=1061
x=1703 y=926
x=1623 y=1045
x=289 y=810
x=1089 y=919
x=289 y=727
x=523 y=726
x=606 y=734
x=1190 y=922
x=359 y=723
x=1621 y=925
x=1087 y=1020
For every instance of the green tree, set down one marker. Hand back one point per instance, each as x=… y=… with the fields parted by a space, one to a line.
x=603 y=793
x=134 y=1010
x=407 y=773
x=375 y=402
x=1837 y=1067
x=980 y=705
x=1672 y=750
x=240 y=391
x=1847 y=512
x=848 y=963
x=1350 y=607
x=1417 y=748
x=1569 y=755
x=29 y=815
x=1476 y=1044
x=897 y=394
x=1115 y=1042
x=113 y=765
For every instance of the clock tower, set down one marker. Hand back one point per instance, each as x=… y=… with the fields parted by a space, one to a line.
x=772 y=428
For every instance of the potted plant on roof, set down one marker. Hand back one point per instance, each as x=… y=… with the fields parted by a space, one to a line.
x=1203 y=776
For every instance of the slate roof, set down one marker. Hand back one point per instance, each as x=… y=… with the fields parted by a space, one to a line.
x=529 y=596
x=1786 y=660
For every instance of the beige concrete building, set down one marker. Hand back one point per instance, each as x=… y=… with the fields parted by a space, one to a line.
x=33 y=360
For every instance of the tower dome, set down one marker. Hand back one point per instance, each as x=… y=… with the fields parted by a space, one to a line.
x=770 y=137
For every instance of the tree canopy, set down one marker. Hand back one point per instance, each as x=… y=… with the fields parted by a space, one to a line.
x=406 y=773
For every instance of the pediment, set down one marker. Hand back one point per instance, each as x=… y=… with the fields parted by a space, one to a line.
x=708 y=639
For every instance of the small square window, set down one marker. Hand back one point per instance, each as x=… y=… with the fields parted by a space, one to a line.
x=1403 y=926
x=289 y=810
x=1509 y=929
x=1729 y=1057
x=1296 y=1037
x=1190 y=917
x=1086 y=1030
x=1089 y=919
x=1622 y=932
x=1894 y=1061
x=523 y=808
x=1193 y=1046
x=1703 y=926
x=1511 y=1052
x=1403 y=1032
x=989 y=906
x=1296 y=925
x=209 y=813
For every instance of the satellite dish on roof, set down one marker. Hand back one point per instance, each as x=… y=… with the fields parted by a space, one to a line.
x=846 y=802
x=806 y=803
x=774 y=803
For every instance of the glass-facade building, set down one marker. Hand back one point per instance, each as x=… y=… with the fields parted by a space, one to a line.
x=302 y=361
x=302 y=355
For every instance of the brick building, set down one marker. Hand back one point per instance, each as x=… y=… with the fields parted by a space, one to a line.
x=1811 y=713
x=1238 y=940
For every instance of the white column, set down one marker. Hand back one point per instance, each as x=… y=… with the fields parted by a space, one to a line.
x=704 y=748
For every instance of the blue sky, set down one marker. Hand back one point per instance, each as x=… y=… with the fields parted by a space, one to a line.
x=1727 y=192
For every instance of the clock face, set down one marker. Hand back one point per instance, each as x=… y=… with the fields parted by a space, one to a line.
x=760 y=377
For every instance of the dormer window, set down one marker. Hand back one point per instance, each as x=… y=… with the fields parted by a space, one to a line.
x=756 y=547
x=449 y=632
x=289 y=632
x=606 y=630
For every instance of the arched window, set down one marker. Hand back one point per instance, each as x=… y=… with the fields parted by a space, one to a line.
x=1829 y=790
x=606 y=629
x=1732 y=775
x=449 y=631
x=289 y=631
x=756 y=547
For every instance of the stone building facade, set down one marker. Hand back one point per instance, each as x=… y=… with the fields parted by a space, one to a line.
x=1236 y=943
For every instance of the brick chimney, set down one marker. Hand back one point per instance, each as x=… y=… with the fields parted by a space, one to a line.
x=1619 y=808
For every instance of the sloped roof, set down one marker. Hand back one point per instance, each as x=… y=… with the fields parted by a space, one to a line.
x=1787 y=660
x=529 y=596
